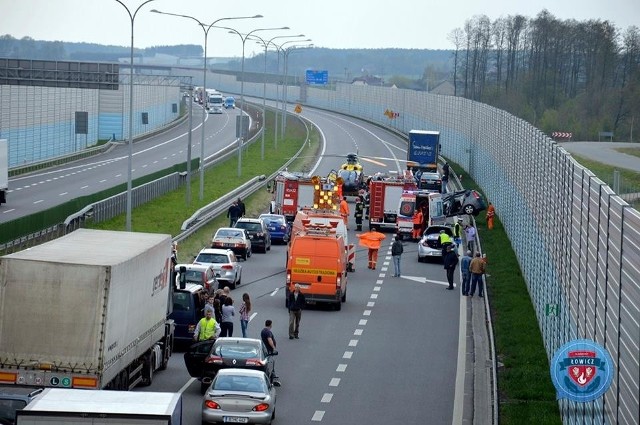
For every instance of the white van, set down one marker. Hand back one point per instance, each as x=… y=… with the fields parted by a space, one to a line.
x=215 y=103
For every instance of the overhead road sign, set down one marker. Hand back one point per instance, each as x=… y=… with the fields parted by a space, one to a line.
x=317 y=77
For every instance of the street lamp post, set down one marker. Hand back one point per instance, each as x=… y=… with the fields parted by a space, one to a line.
x=205 y=29
x=286 y=53
x=132 y=17
x=244 y=39
x=266 y=44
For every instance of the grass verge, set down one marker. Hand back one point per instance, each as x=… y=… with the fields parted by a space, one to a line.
x=526 y=393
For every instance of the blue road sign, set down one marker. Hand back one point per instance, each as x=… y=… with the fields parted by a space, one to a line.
x=317 y=77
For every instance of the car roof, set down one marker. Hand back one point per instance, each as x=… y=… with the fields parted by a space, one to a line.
x=198 y=267
x=232 y=340
x=243 y=372
x=191 y=287
x=249 y=220
x=215 y=251
x=272 y=216
x=439 y=226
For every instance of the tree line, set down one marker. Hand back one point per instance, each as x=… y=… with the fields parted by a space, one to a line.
x=560 y=75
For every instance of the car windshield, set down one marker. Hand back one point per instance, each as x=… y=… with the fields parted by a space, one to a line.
x=8 y=410
x=237 y=351
x=228 y=233
x=181 y=301
x=205 y=257
x=193 y=276
x=239 y=383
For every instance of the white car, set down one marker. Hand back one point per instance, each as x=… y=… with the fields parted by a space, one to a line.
x=201 y=274
x=223 y=261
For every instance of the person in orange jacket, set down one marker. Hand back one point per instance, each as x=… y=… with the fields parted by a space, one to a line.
x=417 y=223
x=491 y=212
x=344 y=210
x=371 y=240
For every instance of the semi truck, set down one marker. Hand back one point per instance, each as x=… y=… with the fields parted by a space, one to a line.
x=4 y=171
x=87 y=310
x=59 y=406
x=423 y=150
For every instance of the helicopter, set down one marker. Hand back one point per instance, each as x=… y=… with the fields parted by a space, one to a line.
x=352 y=175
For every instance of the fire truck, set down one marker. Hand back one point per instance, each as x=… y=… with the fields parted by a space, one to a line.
x=384 y=194
x=292 y=192
x=324 y=210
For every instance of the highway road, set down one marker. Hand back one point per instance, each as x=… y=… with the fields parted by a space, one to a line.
x=389 y=356
x=44 y=189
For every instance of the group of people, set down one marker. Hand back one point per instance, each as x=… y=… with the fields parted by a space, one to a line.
x=219 y=314
x=235 y=211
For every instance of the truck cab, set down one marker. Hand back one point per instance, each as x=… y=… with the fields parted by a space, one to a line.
x=188 y=309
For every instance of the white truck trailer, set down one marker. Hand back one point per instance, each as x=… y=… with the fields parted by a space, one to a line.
x=57 y=406
x=4 y=171
x=88 y=310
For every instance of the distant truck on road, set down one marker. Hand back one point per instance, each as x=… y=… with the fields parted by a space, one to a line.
x=4 y=171
x=80 y=407
x=423 y=150
x=87 y=310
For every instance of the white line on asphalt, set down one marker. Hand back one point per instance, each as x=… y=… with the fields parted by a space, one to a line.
x=362 y=322
x=84 y=187
x=185 y=386
x=326 y=398
x=118 y=175
x=63 y=193
x=379 y=282
x=371 y=304
x=374 y=296
x=358 y=332
x=144 y=166
x=367 y=313
x=347 y=354
x=334 y=382
x=458 y=398
x=103 y=180
x=341 y=367
x=8 y=211
x=317 y=416
x=353 y=343
x=252 y=316
x=381 y=275
x=275 y=291
x=37 y=202
x=376 y=288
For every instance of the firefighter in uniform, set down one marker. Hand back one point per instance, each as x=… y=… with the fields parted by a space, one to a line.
x=359 y=212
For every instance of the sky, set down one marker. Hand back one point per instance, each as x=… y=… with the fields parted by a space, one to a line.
x=411 y=24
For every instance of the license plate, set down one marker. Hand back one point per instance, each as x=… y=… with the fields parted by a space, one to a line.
x=235 y=419
x=303 y=286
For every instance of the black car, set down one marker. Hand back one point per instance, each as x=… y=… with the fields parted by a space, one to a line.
x=204 y=359
x=257 y=231
x=462 y=202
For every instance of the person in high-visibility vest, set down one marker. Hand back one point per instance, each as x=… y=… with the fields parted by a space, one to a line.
x=207 y=327
x=491 y=212
x=417 y=223
x=445 y=240
x=344 y=210
x=371 y=240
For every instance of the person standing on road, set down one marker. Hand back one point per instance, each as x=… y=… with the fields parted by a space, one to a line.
x=417 y=223
x=465 y=262
x=396 y=253
x=241 y=207
x=344 y=210
x=371 y=240
x=445 y=177
x=450 y=262
x=233 y=213
x=245 y=310
x=457 y=232
x=491 y=213
x=359 y=212
x=228 y=311
x=445 y=241
x=470 y=237
x=295 y=303
x=269 y=341
x=478 y=268
x=207 y=328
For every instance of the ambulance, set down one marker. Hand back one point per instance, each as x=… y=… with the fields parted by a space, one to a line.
x=431 y=205
x=317 y=261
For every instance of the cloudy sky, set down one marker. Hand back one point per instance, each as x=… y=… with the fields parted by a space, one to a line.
x=416 y=24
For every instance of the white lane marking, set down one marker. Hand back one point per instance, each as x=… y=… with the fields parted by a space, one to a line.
x=334 y=382
x=458 y=398
x=376 y=288
x=421 y=279
x=84 y=187
x=155 y=162
x=381 y=274
x=185 y=386
x=384 y=269
x=362 y=322
x=371 y=304
x=37 y=202
x=347 y=354
x=341 y=367
x=366 y=313
x=357 y=332
x=8 y=211
x=353 y=343
x=317 y=416
x=63 y=193
x=374 y=296
x=118 y=175
x=144 y=166
x=326 y=398
x=102 y=181
x=379 y=282
x=252 y=316
x=275 y=291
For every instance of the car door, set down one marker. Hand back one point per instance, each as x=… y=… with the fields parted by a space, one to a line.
x=195 y=356
x=270 y=361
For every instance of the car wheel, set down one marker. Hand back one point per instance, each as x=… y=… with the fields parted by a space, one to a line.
x=337 y=306
x=344 y=297
x=420 y=259
x=249 y=253
x=469 y=209
x=239 y=281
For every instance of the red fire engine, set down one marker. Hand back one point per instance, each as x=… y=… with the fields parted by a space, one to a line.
x=384 y=194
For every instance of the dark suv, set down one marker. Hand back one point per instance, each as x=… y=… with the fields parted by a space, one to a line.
x=13 y=399
x=258 y=233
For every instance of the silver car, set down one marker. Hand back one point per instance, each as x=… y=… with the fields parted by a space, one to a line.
x=224 y=263
x=429 y=245
x=239 y=396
